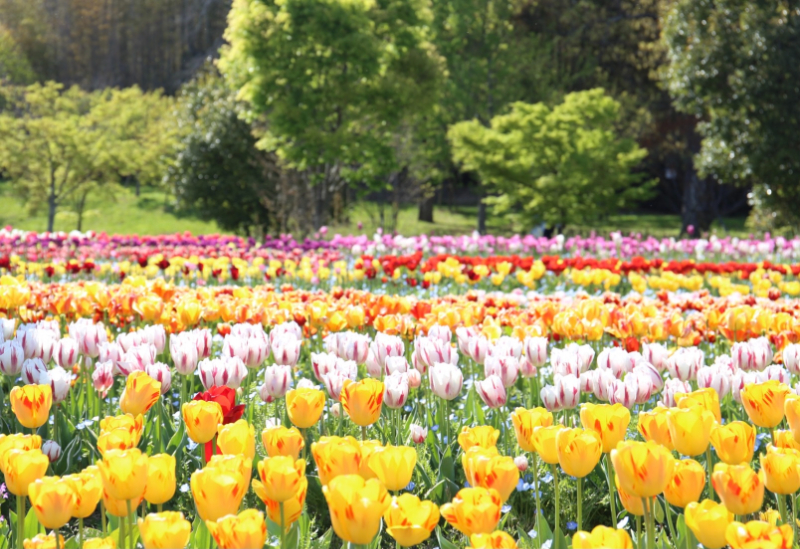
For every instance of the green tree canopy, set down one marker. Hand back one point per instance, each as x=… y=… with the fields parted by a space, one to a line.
x=734 y=65
x=558 y=164
x=335 y=80
x=58 y=145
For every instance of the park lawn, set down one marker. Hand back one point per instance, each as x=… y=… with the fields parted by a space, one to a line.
x=151 y=213
x=124 y=213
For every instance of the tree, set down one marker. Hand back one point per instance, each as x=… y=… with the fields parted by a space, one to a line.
x=557 y=165
x=733 y=66
x=334 y=80
x=218 y=172
x=58 y=146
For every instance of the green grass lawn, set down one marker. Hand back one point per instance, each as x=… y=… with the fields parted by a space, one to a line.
x=125 y=213
x=151 y=213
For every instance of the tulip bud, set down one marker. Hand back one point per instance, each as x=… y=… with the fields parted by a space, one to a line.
x=257 y=350
x=374 y=367
x=536 y=351
x=414 y=378
x=334 y=381
x=504 y=367
x=60 y=383
x=286 y=350
x=569 y=391
x=103 y=377
x=615 y=359
x=442 y=333
x=322 y=363
x=155 y=335
x=492 y=391
x=305 y=383
x=396 y=364
x=418 y=433
x=160 y=372
x=463 y=336
x=235 y=346
x=671 y=387
x=550 y=398
x=396 y=390
x=7 y=328
x=656 y=354
x=685 y=363
x=336 y=410
x=12 y=355
x=184 y=355
x=762 y=352
x=66 y=352
x=446 y=380
x=477 y=348
x=791 y=358
x=522 y=463
x=278 y=380
x=52 y=450
x=34 y=372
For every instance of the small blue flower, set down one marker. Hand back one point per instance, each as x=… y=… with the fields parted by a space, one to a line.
x=410 y=486
x=572 y=525
x=548 y=478
x=505 y=509
x=435 y=428
x=184 y=488
x=467 y=484
x=408 y=408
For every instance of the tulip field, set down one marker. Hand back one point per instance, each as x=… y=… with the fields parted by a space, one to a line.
x=357 y=392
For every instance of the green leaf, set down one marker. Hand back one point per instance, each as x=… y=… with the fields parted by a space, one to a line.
x=32 y=526
x=443 y=542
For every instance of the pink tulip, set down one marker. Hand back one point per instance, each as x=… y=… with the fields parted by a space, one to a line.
x=184 y=355
x=66 y=352
x=506 y=346
x=715 y=378
x=791 y=358
x=656 y=354
x=395 y=364
x=685 y=363
x=442 y=333
x=569 y=391
x=418 y=433
x=103 y=377
x=160 y=372
x=414 y=378
x=491 y=391
x=446 y=380
x=52 y=450
x=60 y=383
x=322 y=363
x=463 y=336
x=522 y=463
x=12 y=355
x=223 y=371
x=396 y=391
x=536 y=351
x=615 y=359
x=277 y=380
x=286 y=350
x=235 y=346
x=505 y=367
x=671 y=387
x=477 y=348
x=34 y=372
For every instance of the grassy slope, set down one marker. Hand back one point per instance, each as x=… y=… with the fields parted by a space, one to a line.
x=150 y=214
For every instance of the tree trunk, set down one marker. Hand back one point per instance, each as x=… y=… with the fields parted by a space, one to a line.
x=481 y=216
x=426 y=209
x=138 y=187
x=51 y=207
x=698 y=195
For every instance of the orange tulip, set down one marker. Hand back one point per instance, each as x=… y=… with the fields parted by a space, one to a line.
x=764 y=402
x=141 y=392
x=739 y=487
x=687 y=483
x=643 y=468
x=280 y=441
x=486 y=469
x=653 y=426
x=474 y=511
x=525 y=421
x=610 y=421
x=759 y=534
x=362 y=400
x=336 y=456
x=31 y=404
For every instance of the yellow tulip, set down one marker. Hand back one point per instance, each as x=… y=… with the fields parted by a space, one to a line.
x=292 y=508
x=281 y=477
x=238 y=438
x=160 y=479
x=22 y=467
x=189 y=312
x=217 y=492
x=708 y=521
x=238 y=465
x=336 y=456
x=280 y=441
x=544 y=441
x=610 y=421
x=52 y=499
x=496 y=540
x=304 y=406
x=133 y=424
x=356 y=507
x=31 y=404
x=117 y=439
x=644 y=469
x=43 y=541
x=739 y=487
x=525 y=421
x=486 y=469
x=362 y=400
x=690 y=429
x=601 y=537
x=484 y=436
x=119 y=507
x=687 y=483
x=410 y=521
x=394 y=465
x=653 y=427
x=124 y=473
x=707 y=399
x=764 y=402
x=734 y=442
x=100 y=543
x=781 y=468
x=791 y=408
x=473 y=511
x=88 y=489
x=368 y=447
x=202 y=419
x=17 y=441
x=167 y=530
x=579 y=451
x=783 y=439
x=631 y=503
x=759 y=534
x=243 y=531
x=141 y=392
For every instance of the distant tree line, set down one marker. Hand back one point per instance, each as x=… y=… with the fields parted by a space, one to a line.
x=552 y=111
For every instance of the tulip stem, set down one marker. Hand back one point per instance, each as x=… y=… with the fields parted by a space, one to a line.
x=794 y=514
x=558 y=506
x=58 y=538
x=710 y=466
x=20 y=520
x=363 y=433
x=782 y=508
x=638 y=531
x=184 y=384
x=538 y=499
x=580 y=504
x=122 y=535
x=612 y=497
x=130 y=523
x=103 y=517
x=160 y=445
x=283 y=532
